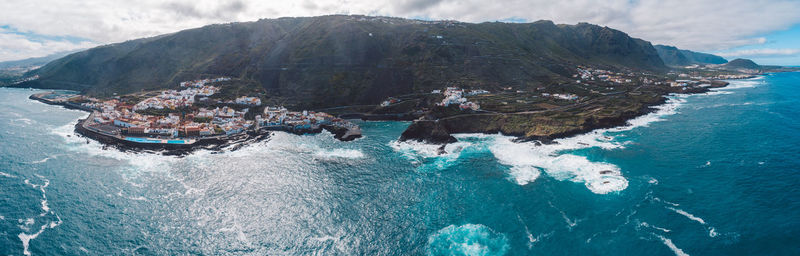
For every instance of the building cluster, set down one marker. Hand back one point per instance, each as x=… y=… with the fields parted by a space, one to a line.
x=393 y=20
x=279 y=118
x=563 y=96
x=119 y=118
x=203 y=82
x=455 y=95
x=680 y=83
x=590 y=74
x=26 y=79
x=250 y=101
x=172 y=99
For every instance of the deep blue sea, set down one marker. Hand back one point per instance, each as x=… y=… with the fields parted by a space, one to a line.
x=710 y=174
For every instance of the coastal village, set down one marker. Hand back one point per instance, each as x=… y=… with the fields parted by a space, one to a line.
x=457 y=96
x=172 y=117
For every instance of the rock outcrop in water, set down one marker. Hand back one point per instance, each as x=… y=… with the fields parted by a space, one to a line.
x=428 y=131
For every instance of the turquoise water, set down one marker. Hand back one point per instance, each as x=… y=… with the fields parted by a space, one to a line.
x=146 y=140
x=714 y=174
x=142 y=140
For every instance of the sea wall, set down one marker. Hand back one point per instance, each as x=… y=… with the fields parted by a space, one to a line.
x=169 y=149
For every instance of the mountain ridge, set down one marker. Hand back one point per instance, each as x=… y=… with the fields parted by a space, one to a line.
x=673 y=56
x=342 y=60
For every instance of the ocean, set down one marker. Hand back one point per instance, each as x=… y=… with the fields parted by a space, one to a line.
x=708 y=174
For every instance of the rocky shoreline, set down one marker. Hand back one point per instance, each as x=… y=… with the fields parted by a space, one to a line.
x=529 y=127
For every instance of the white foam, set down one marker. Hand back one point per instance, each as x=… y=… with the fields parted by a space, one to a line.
x=429 y=156
x=141 y=161
x=666 y=202
x=7 y=175
x=687 y=215
x=340 y=153
x=321 y=146
x=538 y=238
x=712 y=232
x=717 y=92
x=570 y=223
x=325 y=238
x=738 y=84
x=24 y=120
x=26 y=238
x=467 y=239
x=524 y=174
x=526 y=159
x=645 y=224
x=44 y=159
x=45 y=207
x=672 y=246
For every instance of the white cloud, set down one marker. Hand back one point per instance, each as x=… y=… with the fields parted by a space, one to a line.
x=693 y=24
x=766 y=52
x=15 y=47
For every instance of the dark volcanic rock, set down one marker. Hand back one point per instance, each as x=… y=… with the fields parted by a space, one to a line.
x=340 y=133
x=427 y=131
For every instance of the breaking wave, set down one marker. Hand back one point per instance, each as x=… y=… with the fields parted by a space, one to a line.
x=429 y=157
x=143 y=161
x=528 y=160
x=672 y=246
x=468 y=239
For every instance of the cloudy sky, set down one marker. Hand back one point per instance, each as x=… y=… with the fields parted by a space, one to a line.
x=767 y=31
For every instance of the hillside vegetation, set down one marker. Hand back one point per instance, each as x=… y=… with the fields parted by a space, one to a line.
x=348 y=60
x=673 y=56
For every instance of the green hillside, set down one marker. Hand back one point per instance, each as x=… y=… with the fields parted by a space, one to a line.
x=345 y=60
x=673 y=56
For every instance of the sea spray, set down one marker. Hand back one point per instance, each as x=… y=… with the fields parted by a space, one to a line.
x=467 y=239
x=527 y=159
x=431 y=157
